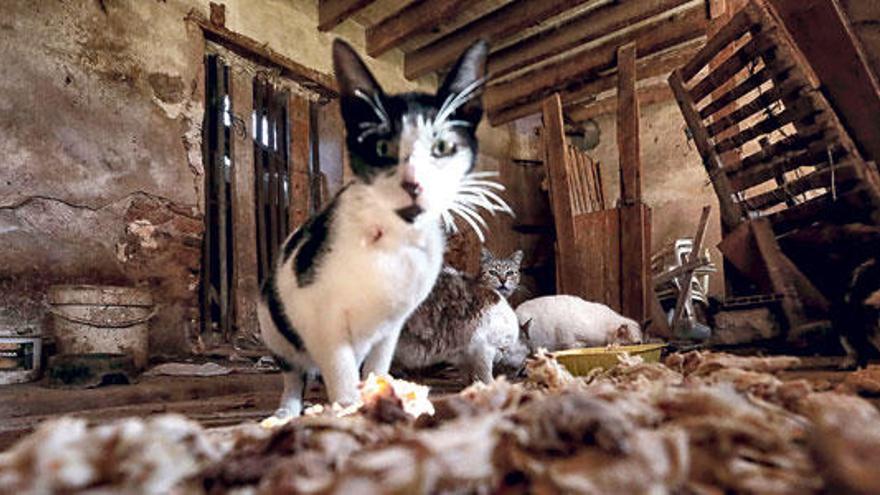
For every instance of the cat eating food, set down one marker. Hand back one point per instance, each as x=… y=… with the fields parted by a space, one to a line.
x=466 y=321
x=564 y=322
x=348 y=279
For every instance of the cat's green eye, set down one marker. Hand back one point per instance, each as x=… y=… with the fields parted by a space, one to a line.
x=383 y=148
x=442 y=148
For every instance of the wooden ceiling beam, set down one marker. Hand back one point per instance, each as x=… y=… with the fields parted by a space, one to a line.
x=648 y=67
x=647 y=95
x=492 y=27
x=416 y=18
x=581 y=29
x=576 y=70
x=331 y=13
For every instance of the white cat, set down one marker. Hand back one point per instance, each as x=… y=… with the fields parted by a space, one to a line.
x=564 y=322
x=351 y=276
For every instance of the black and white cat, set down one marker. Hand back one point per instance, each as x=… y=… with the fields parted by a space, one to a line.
x=350 y=277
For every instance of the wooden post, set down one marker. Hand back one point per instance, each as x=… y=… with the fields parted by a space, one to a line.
x=635 y=256
x=560 y=199
x=300 y=142
x=244 y=271
x=628 y=126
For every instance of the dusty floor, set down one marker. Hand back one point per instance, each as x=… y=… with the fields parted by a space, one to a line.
x=213 y=401
x=224 y=400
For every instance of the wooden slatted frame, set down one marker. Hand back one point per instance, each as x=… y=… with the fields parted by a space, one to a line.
x=818 y=129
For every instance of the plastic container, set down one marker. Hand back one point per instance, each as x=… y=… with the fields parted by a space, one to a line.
x=20 y=359
x=582 y=361
x=92 y=319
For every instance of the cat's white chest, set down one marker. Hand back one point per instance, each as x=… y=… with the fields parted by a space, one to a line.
x=374 y=275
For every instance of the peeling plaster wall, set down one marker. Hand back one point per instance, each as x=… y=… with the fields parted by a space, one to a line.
x=100 y=116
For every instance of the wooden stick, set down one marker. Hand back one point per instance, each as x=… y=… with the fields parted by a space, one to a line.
x=684 y=293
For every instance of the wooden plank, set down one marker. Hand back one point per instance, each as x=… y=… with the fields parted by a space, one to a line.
x=416 y=18
x=767 y=125
x=750 y=84
x=685 y=285
x=560 y=199
x=628 y=147
x=724 y=37
x=762 y=102
x=635 y=265
x=600 y=188
x=731 y=213
x=583 y=66
x=597 y=236
x=647 y=95
x=323 y=84
x=300 y=143
x=838 y=175
x=823 y=33
x=785 y=278
x=493 y=27
x=815 y=154
x=735 y=63
x=261 y=180
x=576 y=96
x=331 y=13
x=220 y=189
x=208 y=131
x=244 y=272
x=576 y=31
x=274 y=176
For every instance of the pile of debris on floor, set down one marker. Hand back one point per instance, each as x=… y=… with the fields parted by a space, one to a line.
x=701 y=423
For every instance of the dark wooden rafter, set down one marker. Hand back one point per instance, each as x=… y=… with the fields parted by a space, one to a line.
x=494 y=26
x=577 y=96
x=331 y=13
x=417 y=17
x=583 y=28
x=653 y=37
x=647 y=95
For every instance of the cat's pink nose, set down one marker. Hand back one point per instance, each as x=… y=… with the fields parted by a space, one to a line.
x=414 y=189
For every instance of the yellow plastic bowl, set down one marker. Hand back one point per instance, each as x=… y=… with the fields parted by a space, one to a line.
x=582 y=361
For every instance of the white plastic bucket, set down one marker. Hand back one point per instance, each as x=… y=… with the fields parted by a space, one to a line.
x=102 y=319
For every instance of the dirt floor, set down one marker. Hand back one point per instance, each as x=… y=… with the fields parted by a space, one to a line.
x=212 y=401
x=226 y=400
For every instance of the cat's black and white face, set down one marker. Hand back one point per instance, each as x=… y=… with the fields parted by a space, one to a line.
x=413 y=149
x=501 y=274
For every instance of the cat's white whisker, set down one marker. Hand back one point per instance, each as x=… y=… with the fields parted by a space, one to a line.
x=473 y=214
x=470 y=222
x=481 y=174
x=370 y=128
x=484 y=183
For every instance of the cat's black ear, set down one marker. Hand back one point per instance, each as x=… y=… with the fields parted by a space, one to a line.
x=485 y=254
x=467 y=76
x=517 y=256
x=356 y=84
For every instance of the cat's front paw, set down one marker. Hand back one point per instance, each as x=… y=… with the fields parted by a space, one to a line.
x=281 y=417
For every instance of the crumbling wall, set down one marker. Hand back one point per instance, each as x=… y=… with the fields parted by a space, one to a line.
x=100 y=132
x=102 y=177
